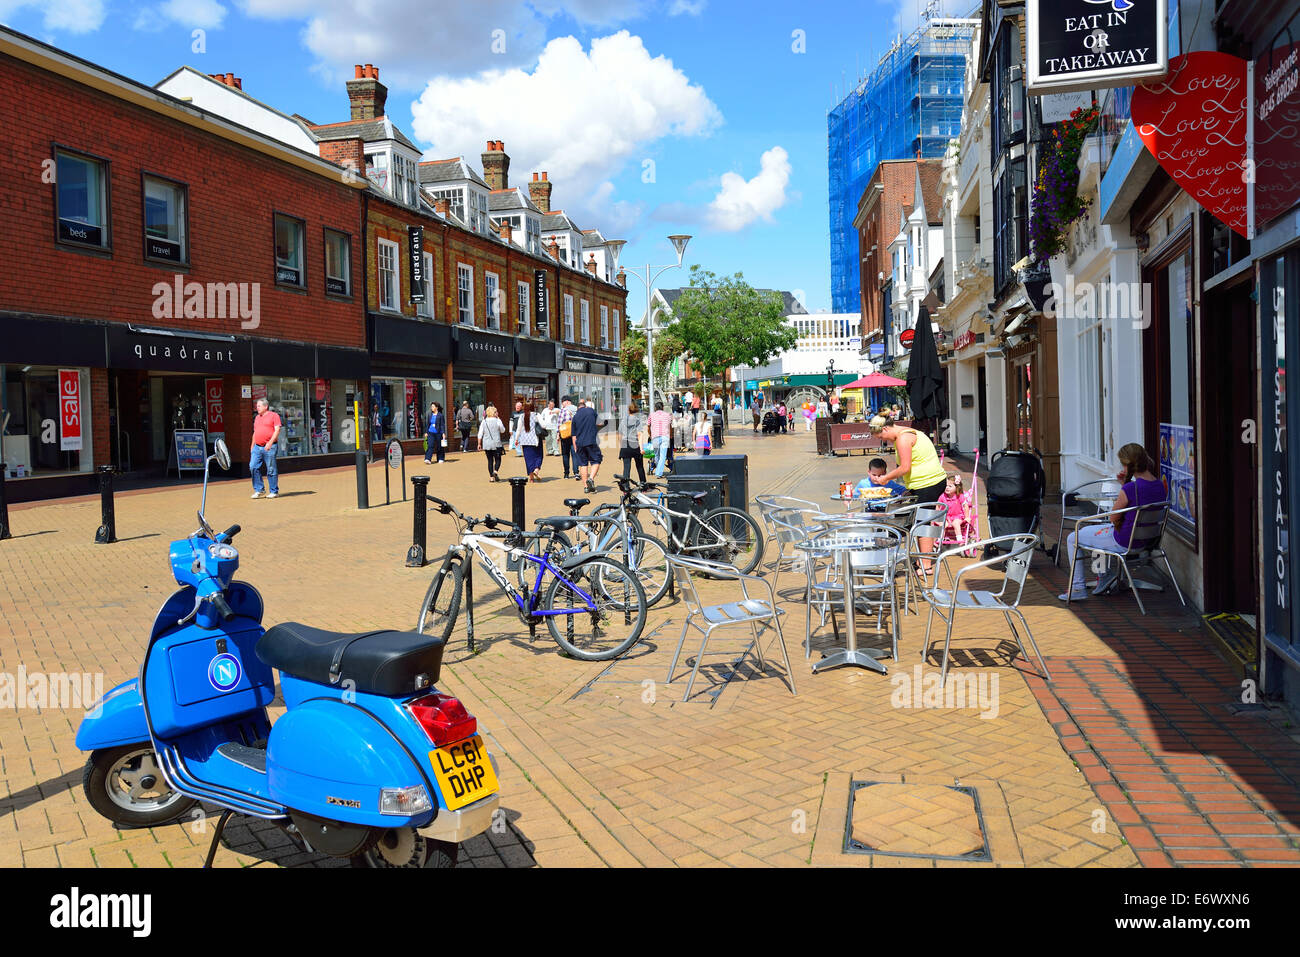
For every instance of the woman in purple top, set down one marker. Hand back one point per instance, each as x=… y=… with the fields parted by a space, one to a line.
x=1141 y=486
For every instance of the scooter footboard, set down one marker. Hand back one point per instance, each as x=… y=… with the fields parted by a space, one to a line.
x=115 y=720
x=335 y=760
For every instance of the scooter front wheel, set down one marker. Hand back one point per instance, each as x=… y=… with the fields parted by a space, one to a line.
x=125 y=785
x=406 y=847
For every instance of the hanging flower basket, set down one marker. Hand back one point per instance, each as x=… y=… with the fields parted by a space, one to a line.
x=1057 y=203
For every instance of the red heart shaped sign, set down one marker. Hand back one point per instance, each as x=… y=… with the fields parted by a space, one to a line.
x=1194 y=123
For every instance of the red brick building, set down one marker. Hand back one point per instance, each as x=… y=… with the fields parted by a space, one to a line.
x=174 y=266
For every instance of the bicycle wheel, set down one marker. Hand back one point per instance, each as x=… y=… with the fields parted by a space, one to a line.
x=633 y=523
x=730 y=536
x=606 y=608
x=441 y=603
x=527 y=571
x=648 y=561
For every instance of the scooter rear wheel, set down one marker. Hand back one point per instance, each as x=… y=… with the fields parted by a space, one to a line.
x=406 y=847
x=125 y=785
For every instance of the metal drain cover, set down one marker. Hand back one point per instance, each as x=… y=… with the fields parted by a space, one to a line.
x=915 y=820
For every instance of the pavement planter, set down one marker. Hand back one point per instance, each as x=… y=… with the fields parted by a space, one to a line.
x=1134 y=755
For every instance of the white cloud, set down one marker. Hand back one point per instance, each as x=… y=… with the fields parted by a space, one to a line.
x=692 y=7
x=580 y=115
x=207 y=14
x=72 y=16
x=411 y=40
x=741 y=202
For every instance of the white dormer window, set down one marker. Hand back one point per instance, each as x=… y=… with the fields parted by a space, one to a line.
x=455 y=198
x=534 y=238
x=377 y=169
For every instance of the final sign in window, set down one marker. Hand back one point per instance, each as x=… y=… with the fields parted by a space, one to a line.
x=81 y=192
x=165 y=221
x=289 y=269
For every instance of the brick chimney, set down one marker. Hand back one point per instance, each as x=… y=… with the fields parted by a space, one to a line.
x=366 y=94
x=539 y=191
x=503 y=230
x=442 y=207
x=496 y=165
x=554 y=249
x=229 y=79
x=622 y=277
x=591 y=263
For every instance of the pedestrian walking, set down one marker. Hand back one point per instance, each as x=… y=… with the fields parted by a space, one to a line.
x=632 y=436
x=782 y=420
x=695 y=404
x=266 y=435
x=586 y=445
x=565 y=431
x=465 y=422
x=530 y=445
x=755 y=409
x=516 y=428
x=551 y=422
x=661 y=436
x=490 y=432
x=703 y=434
x=435 y=436
x=677 y=404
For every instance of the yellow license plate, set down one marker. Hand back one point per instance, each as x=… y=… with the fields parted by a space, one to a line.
x=464 y=772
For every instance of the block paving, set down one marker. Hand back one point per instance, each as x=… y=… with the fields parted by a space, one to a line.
x=1138 y=753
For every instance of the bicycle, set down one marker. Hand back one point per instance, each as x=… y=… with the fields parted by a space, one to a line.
x=595 y=623
x=727 y=535
x=611 y=530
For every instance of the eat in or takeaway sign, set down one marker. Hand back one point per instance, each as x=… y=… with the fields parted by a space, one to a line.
x=1093 y=44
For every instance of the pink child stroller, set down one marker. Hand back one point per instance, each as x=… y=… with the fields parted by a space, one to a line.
x=971 y=516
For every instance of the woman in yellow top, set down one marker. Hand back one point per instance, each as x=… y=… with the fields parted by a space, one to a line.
x=918 y=467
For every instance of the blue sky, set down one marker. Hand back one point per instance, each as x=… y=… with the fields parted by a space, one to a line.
x=651 y=116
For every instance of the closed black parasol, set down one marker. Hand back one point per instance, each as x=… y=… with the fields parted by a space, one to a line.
x=925 y=385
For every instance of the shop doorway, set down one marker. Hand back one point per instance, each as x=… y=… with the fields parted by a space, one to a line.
x=1231 y=541
x=982 y=411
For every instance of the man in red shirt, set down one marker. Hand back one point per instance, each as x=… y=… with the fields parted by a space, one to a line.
x=266 y=432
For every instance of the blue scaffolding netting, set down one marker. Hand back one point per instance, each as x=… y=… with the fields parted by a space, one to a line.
x=909 y=106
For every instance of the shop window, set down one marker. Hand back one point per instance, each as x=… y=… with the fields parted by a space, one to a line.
x=389 y=281
x=1169 y=379
x=465 y=294
x=289 y=260
x=165 y=221
x=425 y=309
x=525 y=297
x=1092 y=386
x=492 y=299
x=338 y=263
x=1010 y=209
x=81 y=195
x=49 y=429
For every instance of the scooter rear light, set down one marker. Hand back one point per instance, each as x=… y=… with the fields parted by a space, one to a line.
x=404 y=801
x=443 y=718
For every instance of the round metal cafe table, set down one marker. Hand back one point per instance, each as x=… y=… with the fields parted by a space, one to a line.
x=844 y=543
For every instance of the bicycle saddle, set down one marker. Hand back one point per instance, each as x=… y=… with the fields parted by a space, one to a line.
x=576 y=502
x=559 y=523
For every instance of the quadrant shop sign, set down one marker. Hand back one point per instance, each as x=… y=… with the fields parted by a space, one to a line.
x=539 y=290
x=416 y=246
x=1093 y=44
x=69 y=410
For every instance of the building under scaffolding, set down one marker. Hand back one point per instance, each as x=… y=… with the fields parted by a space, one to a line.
x=910 y=106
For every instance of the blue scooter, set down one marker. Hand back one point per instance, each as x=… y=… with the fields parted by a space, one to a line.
x=369 y=762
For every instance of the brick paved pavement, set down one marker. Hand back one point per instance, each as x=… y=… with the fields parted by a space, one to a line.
x=605 y=765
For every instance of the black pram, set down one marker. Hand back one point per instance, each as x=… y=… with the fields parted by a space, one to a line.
x=1014 y=491
x=770 y=422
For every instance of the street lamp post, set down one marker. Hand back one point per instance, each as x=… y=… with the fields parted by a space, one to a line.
x=679 y=243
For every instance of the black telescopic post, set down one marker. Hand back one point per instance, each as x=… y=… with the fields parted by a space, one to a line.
x=517 y=484
x=415 y=554
x=4 y=507
x=106 y=534
x=363 y=488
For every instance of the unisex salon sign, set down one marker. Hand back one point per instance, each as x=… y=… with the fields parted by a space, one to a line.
x=1093 y=44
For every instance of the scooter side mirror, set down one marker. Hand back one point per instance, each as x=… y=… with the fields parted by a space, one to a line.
x=223 y=454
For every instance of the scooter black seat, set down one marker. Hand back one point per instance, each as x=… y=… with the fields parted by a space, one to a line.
x=389 y=663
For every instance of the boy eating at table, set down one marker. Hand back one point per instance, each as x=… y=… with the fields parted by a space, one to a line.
x=878 y=467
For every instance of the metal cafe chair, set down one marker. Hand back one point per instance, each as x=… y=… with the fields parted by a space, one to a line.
x=767 y=504
x=793 y=525
x=874 y=572
x=946 y=602
x=1143 y=550
x=758 y=613
x=931 y=527
x=1088 y=496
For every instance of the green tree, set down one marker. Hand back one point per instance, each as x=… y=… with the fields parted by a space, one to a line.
x=723 y=321
x=631 y=358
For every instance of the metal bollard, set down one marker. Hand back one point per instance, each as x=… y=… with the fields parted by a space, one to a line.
x=517 y=499
x=4 y=507
x=363 y=486
x=415 y=554
x=106 y=534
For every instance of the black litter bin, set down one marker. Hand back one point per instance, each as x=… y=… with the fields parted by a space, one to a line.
x=680 y=489
x=734 y=467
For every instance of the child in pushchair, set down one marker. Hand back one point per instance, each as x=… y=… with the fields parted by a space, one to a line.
x=961 y=525
x=770 y=422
